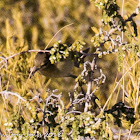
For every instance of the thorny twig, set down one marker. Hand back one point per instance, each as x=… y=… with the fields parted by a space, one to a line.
x=55 y=99
x=6 y=93
x=5 y=59
x=89 y=86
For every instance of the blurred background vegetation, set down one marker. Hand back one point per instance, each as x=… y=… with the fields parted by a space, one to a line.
x=31 y=24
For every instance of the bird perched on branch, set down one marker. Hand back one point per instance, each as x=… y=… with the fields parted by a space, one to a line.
x=59 y=61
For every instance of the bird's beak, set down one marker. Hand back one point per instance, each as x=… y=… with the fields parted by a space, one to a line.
x=32 y=71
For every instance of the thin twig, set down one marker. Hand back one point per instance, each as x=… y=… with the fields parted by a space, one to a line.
x=12 y=93
x=130 y=132
x=137 y=95
x=74 y=111
x=19 y=53
x=56 y=34
x=123 y=60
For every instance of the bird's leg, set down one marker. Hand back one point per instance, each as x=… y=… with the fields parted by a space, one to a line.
x=72 y=76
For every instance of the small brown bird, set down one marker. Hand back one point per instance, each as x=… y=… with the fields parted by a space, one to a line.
x=43 y=65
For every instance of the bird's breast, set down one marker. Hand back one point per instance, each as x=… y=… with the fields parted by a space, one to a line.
x=60 y=69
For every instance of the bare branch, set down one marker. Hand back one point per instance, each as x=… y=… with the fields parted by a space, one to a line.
x=7 y=93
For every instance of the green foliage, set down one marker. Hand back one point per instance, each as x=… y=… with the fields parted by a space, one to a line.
x=58 y=52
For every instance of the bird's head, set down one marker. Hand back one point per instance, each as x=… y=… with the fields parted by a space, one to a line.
x=41 y=60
